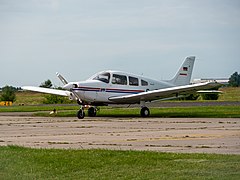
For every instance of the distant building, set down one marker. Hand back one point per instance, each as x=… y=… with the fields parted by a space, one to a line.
x=223 y=81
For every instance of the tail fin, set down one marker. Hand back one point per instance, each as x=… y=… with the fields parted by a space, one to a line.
x=184 y=74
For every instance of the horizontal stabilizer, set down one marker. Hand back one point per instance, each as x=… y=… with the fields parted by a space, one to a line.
x=209 y=92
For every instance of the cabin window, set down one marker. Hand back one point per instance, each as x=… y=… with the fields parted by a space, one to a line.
x=104 y=77
x=144 y=83
x=119 y=79
x=133 y=81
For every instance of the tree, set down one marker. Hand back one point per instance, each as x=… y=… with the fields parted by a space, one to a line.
x=234 y=80
x=55 y=99
x=8 y=94
x=46 y=84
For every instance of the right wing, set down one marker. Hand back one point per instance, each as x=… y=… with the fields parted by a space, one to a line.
x=47 y=90
x=172 y=92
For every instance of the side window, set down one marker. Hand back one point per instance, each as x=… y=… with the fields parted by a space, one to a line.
x=119 y=79
x=144 y=83
x=133 y=81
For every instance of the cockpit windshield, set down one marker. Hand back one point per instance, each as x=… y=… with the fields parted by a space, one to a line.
x=104 y=77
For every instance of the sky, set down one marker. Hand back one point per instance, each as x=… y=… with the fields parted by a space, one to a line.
x=79 y=38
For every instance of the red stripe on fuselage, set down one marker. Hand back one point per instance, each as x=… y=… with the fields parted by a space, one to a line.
x=128 y=90
x=83 y=88
x=182 y=74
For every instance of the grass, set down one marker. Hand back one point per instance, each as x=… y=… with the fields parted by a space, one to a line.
x=25 y=163
x=191 y=112
x=29 y=98
x=37 y=108
x=230 y=94
x=216 y=111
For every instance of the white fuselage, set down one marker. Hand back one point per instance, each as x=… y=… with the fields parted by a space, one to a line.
x=104 y=85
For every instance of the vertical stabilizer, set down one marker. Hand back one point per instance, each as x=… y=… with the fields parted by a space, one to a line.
x=184 y=74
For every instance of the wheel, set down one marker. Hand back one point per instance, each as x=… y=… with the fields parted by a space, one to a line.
x=80 y=114
x=145 y=112
x=92 y=112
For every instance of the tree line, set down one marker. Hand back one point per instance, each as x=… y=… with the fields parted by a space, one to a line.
x=234 y=80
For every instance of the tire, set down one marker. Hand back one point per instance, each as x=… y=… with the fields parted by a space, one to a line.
x=145 y=112
x=92 y=112
x=80 y=114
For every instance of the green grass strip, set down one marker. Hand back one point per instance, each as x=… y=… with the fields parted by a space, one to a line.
x=25 y=163
x=191 y=112
x=37 y=108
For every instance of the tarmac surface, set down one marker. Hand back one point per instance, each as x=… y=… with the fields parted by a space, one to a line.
x=181 y=135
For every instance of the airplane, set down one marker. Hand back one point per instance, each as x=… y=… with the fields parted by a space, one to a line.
x=117 y=87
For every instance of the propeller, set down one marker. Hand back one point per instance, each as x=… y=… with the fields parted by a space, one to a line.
x=62 y=79
x=69 y=86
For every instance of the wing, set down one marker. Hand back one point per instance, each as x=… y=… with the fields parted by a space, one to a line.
x=47 y=90
x=164 y=93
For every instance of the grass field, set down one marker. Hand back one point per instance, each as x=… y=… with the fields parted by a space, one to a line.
x=229 y=94
x=171 y=112
x=29 y=98
x=25 y=163
x=37 y=108
x=190 y=112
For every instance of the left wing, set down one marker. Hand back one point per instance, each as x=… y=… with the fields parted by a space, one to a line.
x=163 y=93
x=47 y=90
x=71 y=95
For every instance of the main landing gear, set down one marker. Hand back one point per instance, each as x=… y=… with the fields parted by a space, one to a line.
x=145 y=112
x=92 y=112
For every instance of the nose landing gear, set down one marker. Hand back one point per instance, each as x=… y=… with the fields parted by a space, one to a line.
x=81 y=114
x=92 y=112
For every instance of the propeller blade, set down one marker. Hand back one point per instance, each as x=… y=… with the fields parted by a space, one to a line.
x=62 y=79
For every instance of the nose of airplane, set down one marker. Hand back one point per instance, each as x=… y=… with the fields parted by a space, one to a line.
x=70 y=86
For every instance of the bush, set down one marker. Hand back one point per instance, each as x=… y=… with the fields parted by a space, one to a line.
x=190 y=97
x=55 y=99
x=8 y=94
x=211 y=96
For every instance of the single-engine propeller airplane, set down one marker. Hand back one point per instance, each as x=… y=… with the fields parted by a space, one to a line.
x=116 y=87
